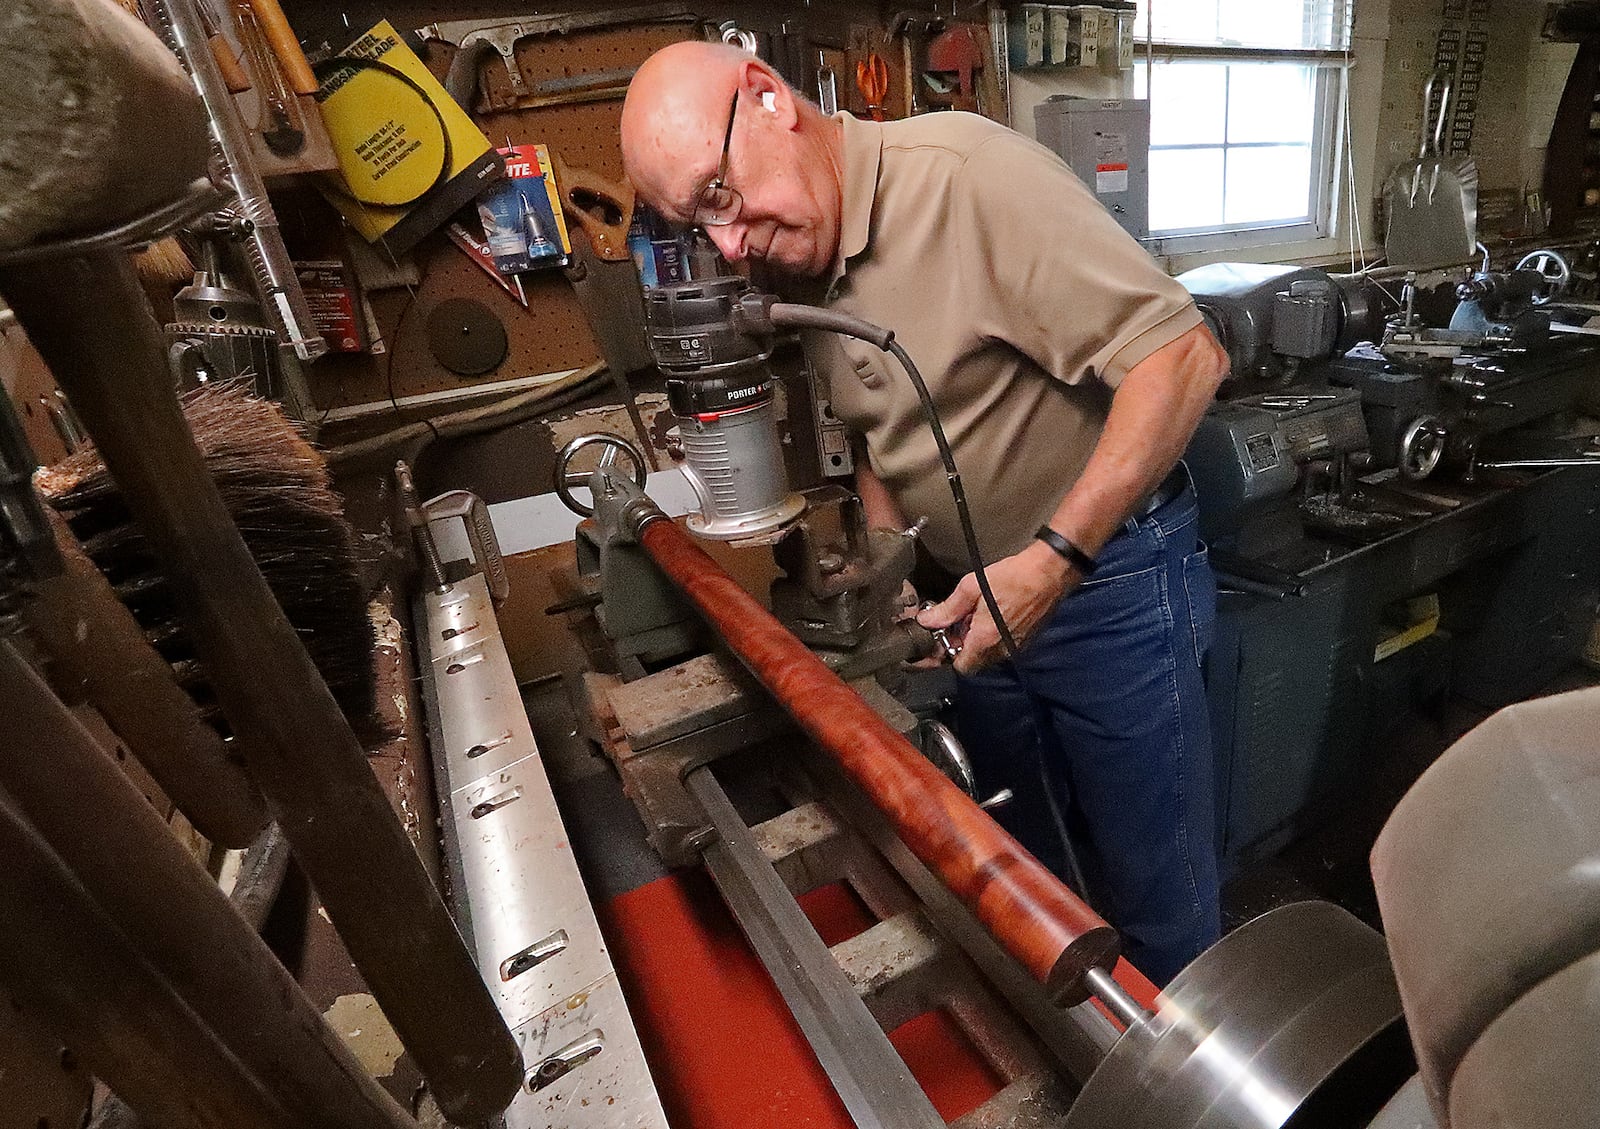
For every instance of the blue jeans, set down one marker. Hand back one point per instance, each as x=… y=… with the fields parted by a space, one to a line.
x=1106 y=737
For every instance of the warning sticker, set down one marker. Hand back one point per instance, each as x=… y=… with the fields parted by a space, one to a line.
x=1111 y=163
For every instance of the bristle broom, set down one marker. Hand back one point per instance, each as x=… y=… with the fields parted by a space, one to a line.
x=277 y=489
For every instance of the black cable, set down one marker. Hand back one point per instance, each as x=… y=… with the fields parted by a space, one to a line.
x=391 y=344
x=959 y=494
x=1074 y=877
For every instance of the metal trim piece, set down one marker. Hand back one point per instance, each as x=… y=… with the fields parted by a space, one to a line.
x=517 y=890
x=584 y=1066
x=871 y=1078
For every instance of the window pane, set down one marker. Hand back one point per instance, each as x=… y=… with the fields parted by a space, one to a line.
x=1269 y=102
x=1281 y=22
x=1189 y=21
x=1185 y=188
x=1189 y=107
x=1272 y=183
x=1288 y=24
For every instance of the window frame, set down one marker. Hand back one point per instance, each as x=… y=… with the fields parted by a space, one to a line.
x=1326 y=165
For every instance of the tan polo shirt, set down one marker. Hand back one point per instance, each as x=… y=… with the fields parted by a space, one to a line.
x=1020 y=300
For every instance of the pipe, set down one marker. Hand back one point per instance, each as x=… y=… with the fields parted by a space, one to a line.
x=1118 y=1000
x=97 y=648
x=1041 y=923
x=175 y=915
x=64 y=961
x=277 y=285
x=89 y=320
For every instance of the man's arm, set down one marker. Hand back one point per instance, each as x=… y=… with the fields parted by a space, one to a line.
x=879 y=508
x=1154 y=412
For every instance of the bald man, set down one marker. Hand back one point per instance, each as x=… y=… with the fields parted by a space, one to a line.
x=1069 y=371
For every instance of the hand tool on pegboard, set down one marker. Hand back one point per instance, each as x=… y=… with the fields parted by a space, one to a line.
x=478 y=251
x=233 y=73
x=872 y=79
x=957 y=52
x=861 y=43
x=479 y=38
x=827 y=86
x=281 y=39
x=282 y=127
x=604 y=276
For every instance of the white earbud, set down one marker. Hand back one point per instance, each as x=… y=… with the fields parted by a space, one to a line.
x=770 y=101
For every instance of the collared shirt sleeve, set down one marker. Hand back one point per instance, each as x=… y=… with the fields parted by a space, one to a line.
x=1052 y=273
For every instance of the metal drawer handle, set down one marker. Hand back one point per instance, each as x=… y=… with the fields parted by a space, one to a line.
x=566 y=1060
x=479 y=750
x=535 y=954
x=495 y=803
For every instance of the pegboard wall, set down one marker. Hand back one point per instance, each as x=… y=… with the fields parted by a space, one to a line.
x=585 y=135
x=552 y=334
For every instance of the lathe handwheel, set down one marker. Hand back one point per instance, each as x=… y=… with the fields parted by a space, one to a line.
x=566 y=479
x=1551 y=265
x=1421 y=447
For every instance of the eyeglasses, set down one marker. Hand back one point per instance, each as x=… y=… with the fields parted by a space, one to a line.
x=718 y=205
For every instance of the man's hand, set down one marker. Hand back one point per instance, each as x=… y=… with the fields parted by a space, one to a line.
x=1026 y=586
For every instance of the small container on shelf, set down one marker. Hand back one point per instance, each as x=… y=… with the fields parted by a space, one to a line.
x=1062 y=24
x=1125 y=38
x=1026 y=36
x=1090 y=18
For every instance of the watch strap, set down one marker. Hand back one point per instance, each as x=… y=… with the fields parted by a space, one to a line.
x=1069 y=552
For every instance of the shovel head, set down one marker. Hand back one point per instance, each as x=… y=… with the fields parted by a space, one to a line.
x=1432 y=212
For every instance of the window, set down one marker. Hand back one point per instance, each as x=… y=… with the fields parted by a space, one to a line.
x=1243 y=113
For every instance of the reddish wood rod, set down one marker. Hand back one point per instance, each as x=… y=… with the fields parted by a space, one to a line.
x=1040 y=922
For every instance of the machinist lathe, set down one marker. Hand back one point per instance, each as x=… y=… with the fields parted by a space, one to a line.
x=1069 y=372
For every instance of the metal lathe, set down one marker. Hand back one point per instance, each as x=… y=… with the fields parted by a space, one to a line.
x=1396 y=482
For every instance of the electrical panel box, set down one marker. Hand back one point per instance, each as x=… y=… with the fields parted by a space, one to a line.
x=1106 y=142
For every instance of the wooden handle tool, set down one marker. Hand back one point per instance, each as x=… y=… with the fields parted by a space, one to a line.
x=233 y=72
x=586 y=196
x=275 y=26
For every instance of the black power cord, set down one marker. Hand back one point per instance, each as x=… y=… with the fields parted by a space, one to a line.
x=959 y=495
x=760 y=311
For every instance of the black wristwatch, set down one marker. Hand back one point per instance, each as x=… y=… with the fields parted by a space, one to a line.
x=1068 y=552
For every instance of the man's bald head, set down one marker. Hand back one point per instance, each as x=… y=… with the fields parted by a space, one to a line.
x=676 y=109
x=784 y=157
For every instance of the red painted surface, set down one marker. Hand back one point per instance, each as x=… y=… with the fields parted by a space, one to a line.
x=836 y=912
x=1138 y=986
x=723 y=1050
x=1046 y=927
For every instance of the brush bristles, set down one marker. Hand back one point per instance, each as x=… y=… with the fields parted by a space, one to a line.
x=164 y=262
x=277 y=489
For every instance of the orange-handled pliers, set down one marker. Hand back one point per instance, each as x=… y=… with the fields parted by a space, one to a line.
x=872 y=79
